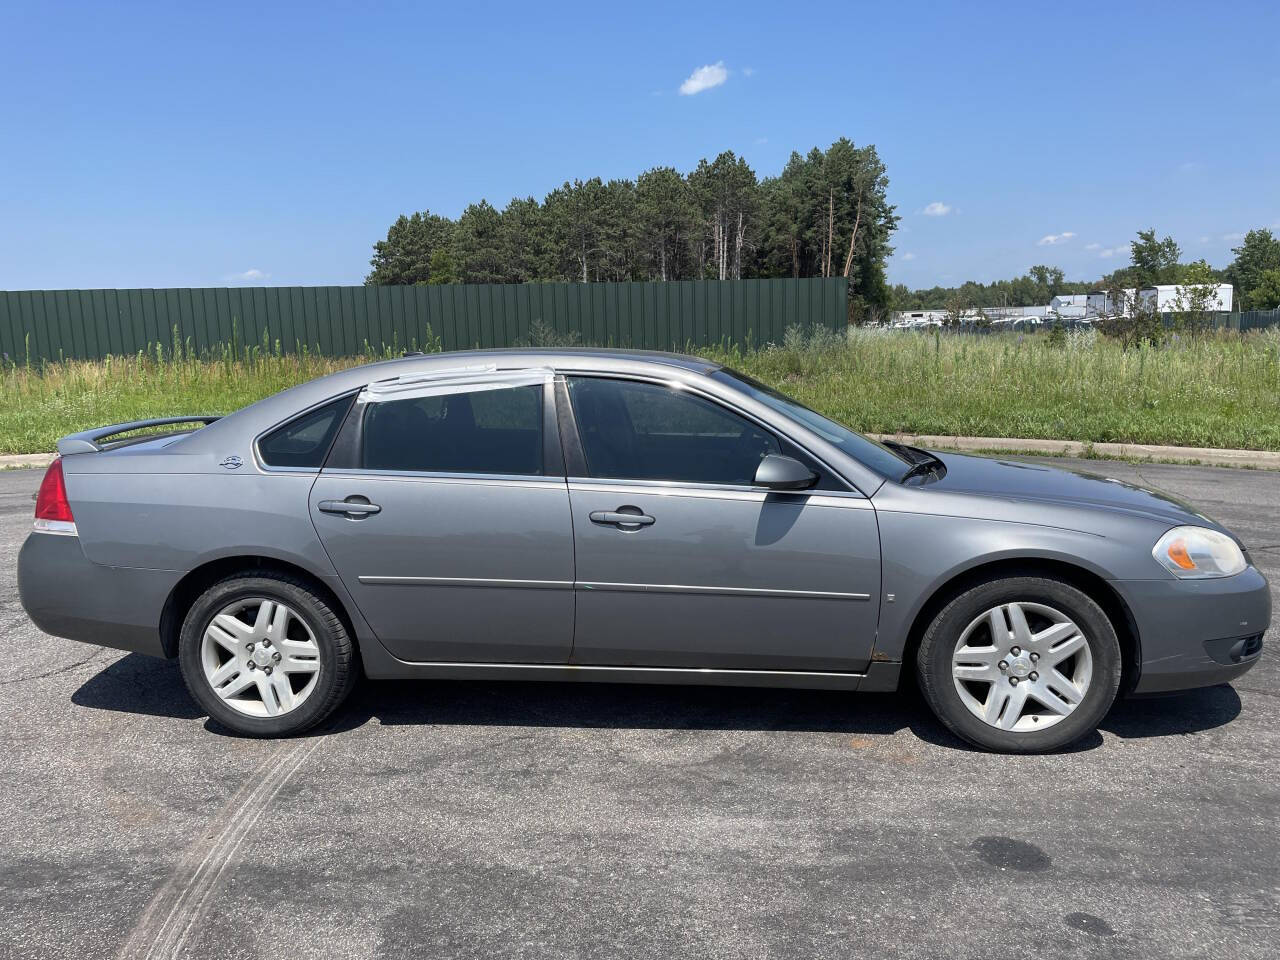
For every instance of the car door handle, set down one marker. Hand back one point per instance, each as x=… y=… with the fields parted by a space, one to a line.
x=351 y=508
x=619 y=518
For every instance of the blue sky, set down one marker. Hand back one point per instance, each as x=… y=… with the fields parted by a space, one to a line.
x=182 y=145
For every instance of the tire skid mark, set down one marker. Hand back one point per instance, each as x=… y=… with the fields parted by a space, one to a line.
x=166 y=923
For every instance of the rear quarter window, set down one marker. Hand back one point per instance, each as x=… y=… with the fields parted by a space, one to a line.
x=304 y=441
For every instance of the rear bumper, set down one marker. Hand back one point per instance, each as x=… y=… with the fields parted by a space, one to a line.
x=1197 y=633
x=68 y=595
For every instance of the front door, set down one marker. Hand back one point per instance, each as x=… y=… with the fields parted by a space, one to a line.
x=444 y=514
x=681 y=562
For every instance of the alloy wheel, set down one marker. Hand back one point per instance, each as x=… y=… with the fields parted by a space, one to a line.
x=1022 y=666
x=260 y=657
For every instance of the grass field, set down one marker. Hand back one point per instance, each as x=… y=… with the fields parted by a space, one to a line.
x=1222 y=391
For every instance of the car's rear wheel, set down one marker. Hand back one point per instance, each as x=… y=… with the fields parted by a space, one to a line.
x=265 y=655
x=1022 y=665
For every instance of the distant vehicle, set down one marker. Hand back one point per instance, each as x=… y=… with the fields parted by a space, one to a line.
x=629 y=517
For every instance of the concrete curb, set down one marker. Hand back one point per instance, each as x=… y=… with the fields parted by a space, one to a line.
x=1256 y=459
x=19 y=460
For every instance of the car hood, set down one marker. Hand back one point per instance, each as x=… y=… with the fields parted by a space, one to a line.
x=1035 y=482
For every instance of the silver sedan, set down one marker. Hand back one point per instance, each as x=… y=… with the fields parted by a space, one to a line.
x=616 y=516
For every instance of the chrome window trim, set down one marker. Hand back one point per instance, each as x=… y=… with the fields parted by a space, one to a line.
x=294 y=471
x=493 y=479
x=713 y=491
x=673 y=384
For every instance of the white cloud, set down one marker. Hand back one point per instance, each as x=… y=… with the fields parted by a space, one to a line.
x=252 y=275
x=1093 y=246
x=908 y=256
x=704 y=78
x=936 y=209
x=760 y=140
x=1108 y=252
x=1233 y=237
x=1052 y=238
x=1204 y=239
x=748 y=71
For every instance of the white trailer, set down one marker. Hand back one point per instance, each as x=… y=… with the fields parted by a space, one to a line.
x=1065 y=300
x=1173 y=297
x=1100 y=303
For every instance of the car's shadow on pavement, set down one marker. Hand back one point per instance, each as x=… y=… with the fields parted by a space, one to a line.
x=145 y=685
x=139 y=684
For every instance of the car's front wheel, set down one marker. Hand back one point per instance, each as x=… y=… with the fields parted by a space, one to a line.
x=1022 y=665
x=265 y=654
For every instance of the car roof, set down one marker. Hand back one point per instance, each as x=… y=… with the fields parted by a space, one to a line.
x=554 y=356
x=591 y=358
x=286 y=404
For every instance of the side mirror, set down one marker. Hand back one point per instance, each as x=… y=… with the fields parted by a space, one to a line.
x=784 y=473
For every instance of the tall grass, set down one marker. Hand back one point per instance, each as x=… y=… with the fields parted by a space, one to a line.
x=1217 y=391
x=39 y=403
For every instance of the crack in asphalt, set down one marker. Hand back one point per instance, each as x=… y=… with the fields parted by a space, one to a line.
x=53 y=673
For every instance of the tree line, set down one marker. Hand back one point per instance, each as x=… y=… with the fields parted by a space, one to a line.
x=825 y=215
x=1254 y=275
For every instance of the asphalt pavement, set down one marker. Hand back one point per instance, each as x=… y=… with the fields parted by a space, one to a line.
x=487 y=820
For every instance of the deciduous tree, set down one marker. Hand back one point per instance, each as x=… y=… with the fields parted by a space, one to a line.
x=443 y=269
x=1154 y=261
x=1265 y=294
x=1196 y=299
x=1259 y=253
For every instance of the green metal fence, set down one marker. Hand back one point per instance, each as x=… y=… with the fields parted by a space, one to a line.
x=1253 y=319
x=40 y=325
x=1243 y=321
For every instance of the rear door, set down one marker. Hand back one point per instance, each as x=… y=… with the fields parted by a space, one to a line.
x=682 y=562
x=444 y=508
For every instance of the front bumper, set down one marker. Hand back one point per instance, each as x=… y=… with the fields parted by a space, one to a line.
x=68 y=595
x=1197 y=633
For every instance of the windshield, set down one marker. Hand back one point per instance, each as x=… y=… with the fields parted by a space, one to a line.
x=866 y=451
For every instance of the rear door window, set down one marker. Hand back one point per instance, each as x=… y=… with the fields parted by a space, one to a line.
x=485 y=431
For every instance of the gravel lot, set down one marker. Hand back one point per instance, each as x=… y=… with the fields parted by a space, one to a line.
x=494 y=820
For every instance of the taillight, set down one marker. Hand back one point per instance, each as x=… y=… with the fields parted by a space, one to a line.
x=53 y=510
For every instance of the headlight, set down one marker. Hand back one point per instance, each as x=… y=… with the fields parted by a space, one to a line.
x=1197 y=553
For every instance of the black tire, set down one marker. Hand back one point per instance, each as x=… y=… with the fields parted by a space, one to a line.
x=338 y=669
x=934 y=663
